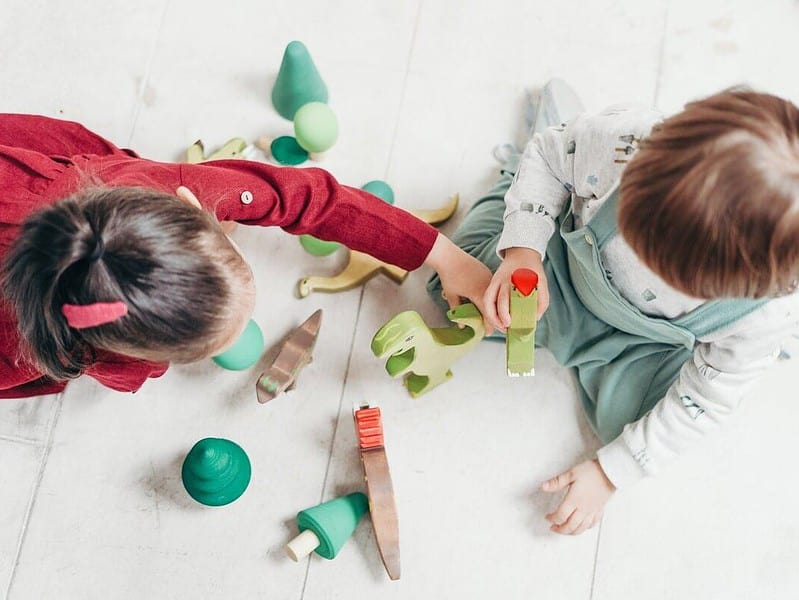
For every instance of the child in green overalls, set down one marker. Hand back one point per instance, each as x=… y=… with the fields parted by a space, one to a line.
x=668 y=258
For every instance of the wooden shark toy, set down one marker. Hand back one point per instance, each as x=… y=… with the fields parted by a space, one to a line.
x=361 y=267
x=294 y=354
x=379 y=489
x=424 y=354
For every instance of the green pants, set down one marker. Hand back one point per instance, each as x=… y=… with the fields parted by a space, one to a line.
x=624 y=361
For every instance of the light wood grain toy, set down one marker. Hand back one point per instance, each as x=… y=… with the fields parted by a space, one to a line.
x=423 y=354
x=520 y=337
x=361 y=267
x=379 y=488
x=233 y=148
x=294 y=354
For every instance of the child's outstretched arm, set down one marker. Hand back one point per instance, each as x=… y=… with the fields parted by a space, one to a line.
x=533 y=201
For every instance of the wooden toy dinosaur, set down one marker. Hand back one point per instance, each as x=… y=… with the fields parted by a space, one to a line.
x=423 y=354
x=379 y=489
x=233 y=148
x=520 y=337
x=294 y=355
x=361 y=267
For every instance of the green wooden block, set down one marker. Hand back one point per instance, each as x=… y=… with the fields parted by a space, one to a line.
x=520 y=337
x=423 y=354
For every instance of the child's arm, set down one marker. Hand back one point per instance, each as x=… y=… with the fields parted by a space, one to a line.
x=302 y=201
x=584 y=159
x=724 y=368
x=535 y=198
x=309 y=201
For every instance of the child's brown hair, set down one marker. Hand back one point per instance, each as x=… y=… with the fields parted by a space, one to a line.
x=170 y=263
x=710 y=202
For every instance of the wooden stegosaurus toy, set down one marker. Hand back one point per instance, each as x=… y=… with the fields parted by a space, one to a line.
x=423 y=354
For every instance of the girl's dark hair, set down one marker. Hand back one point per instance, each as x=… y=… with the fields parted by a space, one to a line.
x=710 y=202
x=168 y=261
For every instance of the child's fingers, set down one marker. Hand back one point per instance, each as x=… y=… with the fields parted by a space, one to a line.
x=587 y=523
x=503 y=304
x=187 y=195
x=559 y=482
x=543 y=299
x=563 y=513
x=454 y=300
x=490 y=304
x=571 y=525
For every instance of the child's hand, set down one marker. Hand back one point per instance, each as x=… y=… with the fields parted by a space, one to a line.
x=462 y=275
x=589 y=489
x=497 y=295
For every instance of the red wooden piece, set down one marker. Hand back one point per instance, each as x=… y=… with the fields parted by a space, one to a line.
x=524 y=280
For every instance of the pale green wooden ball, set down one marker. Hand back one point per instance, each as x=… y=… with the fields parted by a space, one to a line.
x=315 y=127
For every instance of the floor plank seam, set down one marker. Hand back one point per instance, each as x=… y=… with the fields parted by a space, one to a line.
x=335 y=429
x=661 y=54
x=147 y=70
x=596 y=559
x=34 y=493
x=404 y=88
x=20 y=440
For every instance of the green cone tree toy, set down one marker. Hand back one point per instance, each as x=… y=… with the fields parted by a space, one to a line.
x=216 y=471
x=325 y=528
x=298 y=82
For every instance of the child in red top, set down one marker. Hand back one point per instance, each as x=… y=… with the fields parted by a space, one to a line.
x=114 y=265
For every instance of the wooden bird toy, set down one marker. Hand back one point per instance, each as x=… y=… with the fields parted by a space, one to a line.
x=361 y=267
x=424 y=354
x=295 y=352
x=379 y=489
x=520 y=337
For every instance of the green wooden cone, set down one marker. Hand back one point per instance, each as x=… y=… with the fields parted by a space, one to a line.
x=333 y=521
x=298 y=82
x=245 y=352
x=216 y=471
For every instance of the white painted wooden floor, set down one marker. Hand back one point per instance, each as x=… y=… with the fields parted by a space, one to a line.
x=92 y=501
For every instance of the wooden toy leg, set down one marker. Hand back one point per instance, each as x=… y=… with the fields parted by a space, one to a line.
x=421 y=384
x=437 y=216
x=360 y=268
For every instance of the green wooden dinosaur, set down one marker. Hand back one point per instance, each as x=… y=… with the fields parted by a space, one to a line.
x=233 y=148
x=424 y=354
x=520 y=337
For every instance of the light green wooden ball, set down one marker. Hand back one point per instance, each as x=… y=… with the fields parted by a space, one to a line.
x=315 y=127
x=318 y=247
x=245 y=352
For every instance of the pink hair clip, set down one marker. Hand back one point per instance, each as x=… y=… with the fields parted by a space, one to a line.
x=83 y=316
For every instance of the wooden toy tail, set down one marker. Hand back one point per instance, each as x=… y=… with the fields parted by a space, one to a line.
x=360 y=268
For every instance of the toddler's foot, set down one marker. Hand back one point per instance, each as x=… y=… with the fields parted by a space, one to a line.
x=555 y=103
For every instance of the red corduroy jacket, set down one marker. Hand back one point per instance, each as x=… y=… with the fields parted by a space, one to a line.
x=43 y=160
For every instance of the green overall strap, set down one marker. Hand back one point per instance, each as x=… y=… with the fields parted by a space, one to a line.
x=706 y=318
